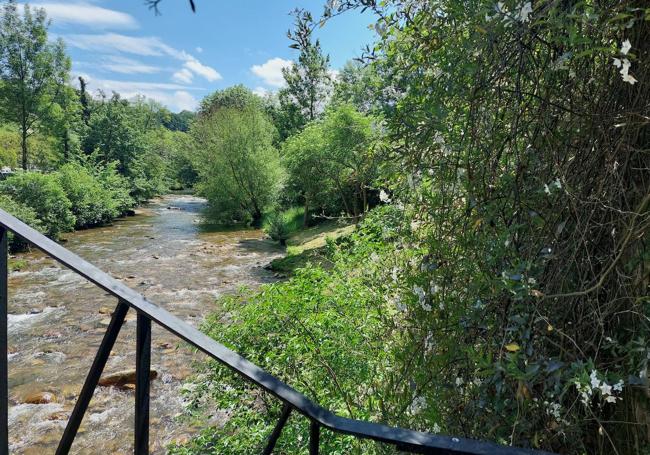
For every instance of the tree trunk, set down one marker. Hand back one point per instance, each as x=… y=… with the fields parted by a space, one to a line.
x=23 y=146
x=305 y=217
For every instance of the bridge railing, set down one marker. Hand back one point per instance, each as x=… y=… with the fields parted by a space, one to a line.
x=403 y=439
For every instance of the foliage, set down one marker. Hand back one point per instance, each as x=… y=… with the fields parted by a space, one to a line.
x=308 y=79
x=528 y=214
x=323 y=333
x=331 y=163
x=117 y=131
x=235 y=97
x=25 y=214
x=93 y=196
x=239 y=169
x=33 y=71
x=175 y=150
x=280 y=224
x=42 y=193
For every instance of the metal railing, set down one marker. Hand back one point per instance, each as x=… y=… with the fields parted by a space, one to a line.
x=405 y=440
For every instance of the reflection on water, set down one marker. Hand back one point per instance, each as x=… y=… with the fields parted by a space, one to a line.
x=57 y=320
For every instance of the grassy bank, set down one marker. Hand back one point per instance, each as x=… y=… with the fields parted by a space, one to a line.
x=309 y=246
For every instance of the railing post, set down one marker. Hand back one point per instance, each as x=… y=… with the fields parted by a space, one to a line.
x=277 y=431
x=4 y=372
x=142 y=383
x=314 y=438
x=92 y=379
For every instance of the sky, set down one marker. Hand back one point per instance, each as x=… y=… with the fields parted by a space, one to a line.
x=178 y=57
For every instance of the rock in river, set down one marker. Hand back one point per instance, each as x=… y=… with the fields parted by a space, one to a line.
x=40 y=398
x=123 y=378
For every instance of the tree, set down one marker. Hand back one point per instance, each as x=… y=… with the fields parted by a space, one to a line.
x=237 y=96
x=239 y=169
x=357 y=84
x=304 y=157
x=33 y=70
x=308 y=80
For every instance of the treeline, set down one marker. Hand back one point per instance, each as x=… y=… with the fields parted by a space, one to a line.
x=83 y=160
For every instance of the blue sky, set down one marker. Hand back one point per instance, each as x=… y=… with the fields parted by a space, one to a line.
x=179 y=57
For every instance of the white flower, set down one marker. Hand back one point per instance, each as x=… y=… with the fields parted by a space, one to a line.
x=459 y=382
x=617 y=62
x=425 y=306
x=525 y=12
x=401 y=307
x=610 y=399
x=618 y=387
x=417 y=405
x=629 y=79
x=595 y=382
x=436 y=428
x=605 y=389
x=625 y=47
x=383 y=197
x=547 y=190
x=625 y=68
x=556 y=183
x=434 y=288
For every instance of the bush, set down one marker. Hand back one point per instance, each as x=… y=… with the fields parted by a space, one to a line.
x=25 y=214
x=117 y=185
x=92 y=202
x=44 y=194
x=279 y=225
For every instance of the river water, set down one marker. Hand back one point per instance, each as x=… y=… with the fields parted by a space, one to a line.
x=57 y=320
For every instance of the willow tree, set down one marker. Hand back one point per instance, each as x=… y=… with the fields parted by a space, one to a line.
x=33 y=70
x=239 y=169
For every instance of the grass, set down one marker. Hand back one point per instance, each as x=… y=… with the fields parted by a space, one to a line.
x=306 y=246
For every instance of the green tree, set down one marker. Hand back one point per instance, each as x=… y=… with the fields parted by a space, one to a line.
x=237 y=97
x=304 y=156
x=33 y=70
x=239 y=169
x=308 y=80
x=349 y=137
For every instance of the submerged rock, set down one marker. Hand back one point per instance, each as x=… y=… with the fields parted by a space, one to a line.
x=40 y=398
x=123 y=378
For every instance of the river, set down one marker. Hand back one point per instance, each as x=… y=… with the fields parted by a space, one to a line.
x=57 y=320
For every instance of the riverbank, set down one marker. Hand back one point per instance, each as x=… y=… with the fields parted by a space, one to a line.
x=308 y=246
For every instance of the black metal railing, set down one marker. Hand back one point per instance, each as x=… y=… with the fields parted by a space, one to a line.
x=405 y=440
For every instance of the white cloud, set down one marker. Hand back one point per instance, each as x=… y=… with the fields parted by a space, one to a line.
x=261 y=91
x=199 y=49
x=176 y=97
x=150 y=46
x=146 y=46
x=202 y=70
x=125 y=65
x=271 y=71
x=86 y=14
x=183 y=76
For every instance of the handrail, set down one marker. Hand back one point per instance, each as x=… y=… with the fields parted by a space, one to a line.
x=406 y=440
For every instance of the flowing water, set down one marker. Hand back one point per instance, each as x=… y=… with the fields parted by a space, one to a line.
x=57 y=320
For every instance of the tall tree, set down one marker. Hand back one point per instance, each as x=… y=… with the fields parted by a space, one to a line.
x=239 y=169
x=33 y=70
x=308 y=80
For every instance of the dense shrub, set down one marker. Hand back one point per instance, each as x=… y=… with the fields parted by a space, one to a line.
x=44 y=194
x=25 y=214
x=92 y=202
x=280 y=224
